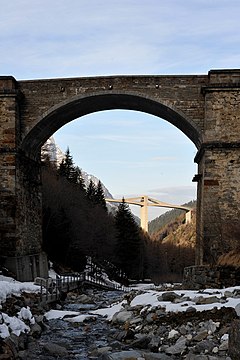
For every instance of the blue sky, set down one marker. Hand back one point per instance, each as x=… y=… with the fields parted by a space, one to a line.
x=132 y=153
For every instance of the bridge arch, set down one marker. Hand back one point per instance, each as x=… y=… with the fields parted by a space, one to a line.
x=204 y=107
x=78 y=106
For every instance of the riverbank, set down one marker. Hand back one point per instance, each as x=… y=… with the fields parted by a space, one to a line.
x=164 y=323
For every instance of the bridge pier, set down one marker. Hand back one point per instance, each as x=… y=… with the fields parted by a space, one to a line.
x=218 y=209
x=20 y=195
x=144 y=213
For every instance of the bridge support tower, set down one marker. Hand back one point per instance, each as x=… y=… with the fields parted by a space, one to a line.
x=20 y=194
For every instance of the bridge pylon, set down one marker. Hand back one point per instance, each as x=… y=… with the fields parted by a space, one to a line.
x=144 y=201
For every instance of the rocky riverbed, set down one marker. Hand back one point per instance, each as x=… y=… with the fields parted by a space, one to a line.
x=135 y=331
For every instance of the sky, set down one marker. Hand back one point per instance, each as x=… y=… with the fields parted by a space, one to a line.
x=132 y=153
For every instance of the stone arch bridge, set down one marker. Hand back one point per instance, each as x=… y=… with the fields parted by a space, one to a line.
x=204 y=107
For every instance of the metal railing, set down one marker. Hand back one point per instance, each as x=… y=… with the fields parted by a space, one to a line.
x=52 y=289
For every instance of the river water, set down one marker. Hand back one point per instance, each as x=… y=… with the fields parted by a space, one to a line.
x=80 y=339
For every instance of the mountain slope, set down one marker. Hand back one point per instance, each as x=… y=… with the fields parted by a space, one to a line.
x=52 y=151
x=169 y=216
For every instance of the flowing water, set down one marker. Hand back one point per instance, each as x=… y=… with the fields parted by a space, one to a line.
x=80 y=339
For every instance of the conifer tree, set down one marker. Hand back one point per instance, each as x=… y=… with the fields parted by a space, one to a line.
x=91 y=191
x=129 y=242
x=79 y=179
x=67 y=168
x=99 y=197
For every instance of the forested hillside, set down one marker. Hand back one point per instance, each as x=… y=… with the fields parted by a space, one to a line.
x=77 y=224
x=167 y=217
x=173 y=246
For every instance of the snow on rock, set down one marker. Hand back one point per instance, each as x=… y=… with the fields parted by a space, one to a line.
x=12 y=287
x=20 y=323
x=59 y=314
x=25 y=314
x=4 y=332
x=109 y=311
x=80 y=318
x=14 y=324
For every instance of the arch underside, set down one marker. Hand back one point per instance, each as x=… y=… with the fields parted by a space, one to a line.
x=65 y=112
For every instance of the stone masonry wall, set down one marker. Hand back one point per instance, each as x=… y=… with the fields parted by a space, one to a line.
x=62 y=100
x=218 y=227
x=8 y=143
x=203 y=277
x=20 y=193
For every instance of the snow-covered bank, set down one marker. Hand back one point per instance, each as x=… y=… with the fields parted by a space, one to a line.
x=9 y=286
x=150 y=320
x=184 y=299
x=19 y=323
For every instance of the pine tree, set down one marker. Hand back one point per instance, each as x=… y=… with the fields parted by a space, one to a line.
x=99 y=196
x=129 y=242
x=79 y=179
x=67 y=168
x=91 y=191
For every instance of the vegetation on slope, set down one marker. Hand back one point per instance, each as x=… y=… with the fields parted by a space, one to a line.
x=167 y=218
x=76 y=224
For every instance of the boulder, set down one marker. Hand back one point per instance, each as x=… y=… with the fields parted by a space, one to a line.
x=234 y=340
x=122 y=316
x=55 y=349
x=123 y=355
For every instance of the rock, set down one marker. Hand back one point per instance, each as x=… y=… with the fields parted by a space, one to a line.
x=153 y=356
x=122 y=316
x=183 y=330
x=55 y=349
x=228 y=294
x=236 y=293
x=124 y=335
x=215 y=350
x=151 y=317
x=200 y=300
x=141 y=342
x=234 y=340
x=224 y=337
x=191 y=309
x=99 y=351
x=237 y=309
x=11 y=343
x=223 y=346
x=84 y=299
x=191 y=356
x=169 y=296
x=204 y=346
x=123 y=355
x=201 y=336
x=173 y=333
x=58 y=307
x=36 y=330
x=154 y=344
x=178 y=347
x=212 y=326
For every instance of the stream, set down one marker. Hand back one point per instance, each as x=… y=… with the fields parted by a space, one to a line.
x=80 y=339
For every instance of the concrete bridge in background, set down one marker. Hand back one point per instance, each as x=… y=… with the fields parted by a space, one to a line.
x=206 y=108
x=145 y=201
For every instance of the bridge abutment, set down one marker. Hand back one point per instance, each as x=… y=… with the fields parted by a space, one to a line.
x=218 y=212
x=20 y=194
